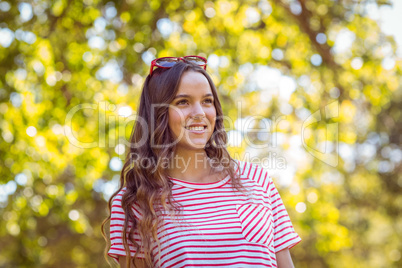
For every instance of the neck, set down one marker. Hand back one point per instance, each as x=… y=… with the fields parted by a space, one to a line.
x=190 y=165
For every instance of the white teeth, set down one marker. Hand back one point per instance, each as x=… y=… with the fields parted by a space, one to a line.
x=195 y=128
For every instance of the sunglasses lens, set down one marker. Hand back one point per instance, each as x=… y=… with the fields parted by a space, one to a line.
x=196 y=60
x=167 y=62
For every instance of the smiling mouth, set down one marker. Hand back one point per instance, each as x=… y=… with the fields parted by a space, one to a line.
x=197 y=128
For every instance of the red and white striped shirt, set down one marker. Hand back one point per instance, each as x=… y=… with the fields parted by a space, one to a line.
x=218 y=227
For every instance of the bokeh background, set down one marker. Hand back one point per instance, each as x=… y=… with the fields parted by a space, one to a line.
x=312 y=89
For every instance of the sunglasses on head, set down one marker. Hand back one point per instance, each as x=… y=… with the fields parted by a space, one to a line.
x=169 y=62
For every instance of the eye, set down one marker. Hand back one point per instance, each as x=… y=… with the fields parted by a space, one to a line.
x=209 y=100
x=181 y=102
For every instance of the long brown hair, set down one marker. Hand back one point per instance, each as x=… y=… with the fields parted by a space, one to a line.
x=148 y=186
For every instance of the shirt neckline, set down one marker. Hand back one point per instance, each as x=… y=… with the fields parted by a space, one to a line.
x=197 y=185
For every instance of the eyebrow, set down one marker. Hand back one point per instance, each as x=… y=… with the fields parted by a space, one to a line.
x=188 y=96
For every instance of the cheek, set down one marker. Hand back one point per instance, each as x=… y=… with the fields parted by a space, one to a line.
x=211 y=115
x=175 y=119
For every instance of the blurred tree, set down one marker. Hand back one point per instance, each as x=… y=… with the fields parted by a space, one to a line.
x=71 y=73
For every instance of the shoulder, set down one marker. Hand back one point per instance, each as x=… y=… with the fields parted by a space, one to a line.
x=254 y=173
x=117 y=207
x=117 y=198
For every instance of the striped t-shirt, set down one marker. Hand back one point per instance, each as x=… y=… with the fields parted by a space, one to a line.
x=218 y=227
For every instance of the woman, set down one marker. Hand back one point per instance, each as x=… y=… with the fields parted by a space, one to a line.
x=183 y=201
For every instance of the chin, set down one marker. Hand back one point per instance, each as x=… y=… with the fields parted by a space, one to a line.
x=193 y=146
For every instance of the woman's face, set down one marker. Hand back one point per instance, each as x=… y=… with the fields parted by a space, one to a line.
x=192 y=113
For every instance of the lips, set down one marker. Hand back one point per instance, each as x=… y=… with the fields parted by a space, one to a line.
x=196 y=127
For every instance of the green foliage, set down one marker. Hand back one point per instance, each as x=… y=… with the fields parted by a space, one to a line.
x=53 y=187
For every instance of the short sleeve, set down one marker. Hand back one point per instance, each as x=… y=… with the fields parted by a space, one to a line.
x=116 y=231
x=284 y=234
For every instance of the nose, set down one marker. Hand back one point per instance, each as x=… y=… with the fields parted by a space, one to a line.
x=197 y=111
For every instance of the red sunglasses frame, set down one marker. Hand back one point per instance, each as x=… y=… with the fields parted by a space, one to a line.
x=154 y=63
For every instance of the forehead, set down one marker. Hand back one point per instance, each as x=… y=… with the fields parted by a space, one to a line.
x=193 y=83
